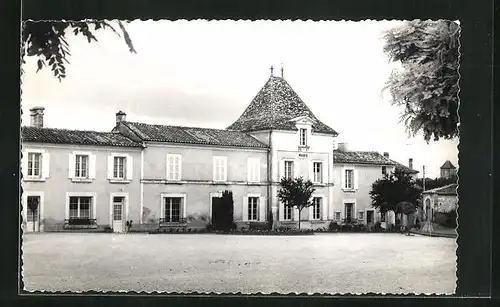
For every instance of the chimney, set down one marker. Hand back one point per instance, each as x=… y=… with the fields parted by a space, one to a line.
x=410 y=163
x=386 y=154
x=342 y=147
x=120 y=117
x=37 y=117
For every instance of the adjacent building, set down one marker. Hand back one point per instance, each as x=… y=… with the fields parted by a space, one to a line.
x=440 y=200
x=154 y=176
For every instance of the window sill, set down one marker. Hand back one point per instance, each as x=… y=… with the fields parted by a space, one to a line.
x=320 y=184
x=289 y=222
x=83 y=180
x=349 y=190
x=303 y=147
x=317 y=221
x=119 y=180
x=34 y=179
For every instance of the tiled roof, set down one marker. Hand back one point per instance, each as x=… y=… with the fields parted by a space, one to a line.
x=448 y=164
x=361 y=157
x=273 y=108
x=450 y=189
x=80 y=137
x=192 y=135
x=405 y=168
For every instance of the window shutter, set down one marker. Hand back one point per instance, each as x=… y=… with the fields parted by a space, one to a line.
x=45 y=165
x=311 y=171
x=324 y=208
x=257 y=170
x=342 y=177
x=92 y=166
x=262 y=209
x=281 y=211
x=249 y=170
x=356 y=180
x=71 y=165
x=110 y=167
x=245 y=208
x=130 y=166
x=295 y=170
x=214 y=169
x=24 y=164
x=224 y=163
x=179 y=167
x=282 y=170
x=311 y=212
x=167 y=169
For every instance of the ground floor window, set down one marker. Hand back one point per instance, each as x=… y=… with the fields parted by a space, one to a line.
x=172 y=209
x=79 y=207
x=253 y=204
x=361 y=215
x=33 y=208
x=316 y=208
x=337 y=216
x=287 y=214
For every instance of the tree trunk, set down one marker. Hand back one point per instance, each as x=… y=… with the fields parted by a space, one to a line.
x=34 y=221
x=300 y=210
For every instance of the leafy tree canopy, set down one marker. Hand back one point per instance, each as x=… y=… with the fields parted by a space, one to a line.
x=394 y=188
x=427 y=83
x=296 y=192
x=436 y=183
x=46 y=40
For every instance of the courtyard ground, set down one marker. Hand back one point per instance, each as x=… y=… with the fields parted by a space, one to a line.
x=322 y=263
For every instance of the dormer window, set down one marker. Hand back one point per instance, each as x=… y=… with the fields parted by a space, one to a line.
x=303 y=136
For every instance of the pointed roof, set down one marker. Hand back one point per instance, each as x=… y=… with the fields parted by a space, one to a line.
x=448 y=165
x=275 y=105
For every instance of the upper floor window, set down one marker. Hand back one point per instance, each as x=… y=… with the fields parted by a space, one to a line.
x=220 y=168
x=253 y=205
x=349 y=179
x=81 y=166
x=384 y=170
x=174 y=163
x=119 y=167
x=253 y=169
x=288 y=169
x=34 y=164
x=316 y=212
x=303 y=136
x=317 y=172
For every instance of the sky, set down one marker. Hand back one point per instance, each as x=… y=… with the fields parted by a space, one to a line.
x=205 y=73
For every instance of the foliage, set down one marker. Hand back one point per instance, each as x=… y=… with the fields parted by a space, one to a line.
x=377 y=227
x=46 y=40
x=296 y=193
x=436 y=183
x=446 y=219
x=393 y=189
x=427 y=84
x=333 y=226
x=259 y=226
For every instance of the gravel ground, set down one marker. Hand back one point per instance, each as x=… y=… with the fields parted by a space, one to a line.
x=322 y=263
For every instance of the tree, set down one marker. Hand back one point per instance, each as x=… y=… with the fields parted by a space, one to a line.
x=393 y=190
x=296 y=193
x=427 y=84
x=437 y=182
x=46 y=40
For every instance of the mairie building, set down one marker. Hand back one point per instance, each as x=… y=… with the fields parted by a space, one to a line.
x=147 y=176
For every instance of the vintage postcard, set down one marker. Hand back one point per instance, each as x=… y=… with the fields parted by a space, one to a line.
x=240 y=156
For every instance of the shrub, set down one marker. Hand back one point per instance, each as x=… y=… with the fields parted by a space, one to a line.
x=333 y=226
x=377 y=227
x=209 y=227
x=258 y=225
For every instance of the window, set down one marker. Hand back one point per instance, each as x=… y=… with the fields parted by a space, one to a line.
x=337 y=215
x=303 y=137
x=361 y=215
x=220 y=168
x=288 y=169
x=317 y=172
x=174 y=167
x=79 y=207
x=384 y=170
x=81 y=166
x=172 y=209
x=253 y=204
x=348 y=212
x=287 y=211
x=119 y=167
x=349 y=179
x=34 y=164
x=316 y=208
x=253 y=169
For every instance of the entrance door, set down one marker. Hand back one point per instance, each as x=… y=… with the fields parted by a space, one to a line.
x=216 y=205
x=33 y=214
x=118 y=214
x=369 y=217
x=348 y=212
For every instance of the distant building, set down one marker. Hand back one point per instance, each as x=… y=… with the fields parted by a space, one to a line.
x=448 y=170
x=440 y=200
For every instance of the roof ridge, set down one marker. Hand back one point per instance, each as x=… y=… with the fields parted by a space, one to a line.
x=187 y=127
x=66 y=129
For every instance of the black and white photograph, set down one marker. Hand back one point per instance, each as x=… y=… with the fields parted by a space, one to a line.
x=233 y=156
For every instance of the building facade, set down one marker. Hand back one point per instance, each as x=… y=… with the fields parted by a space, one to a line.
x=170 y=176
